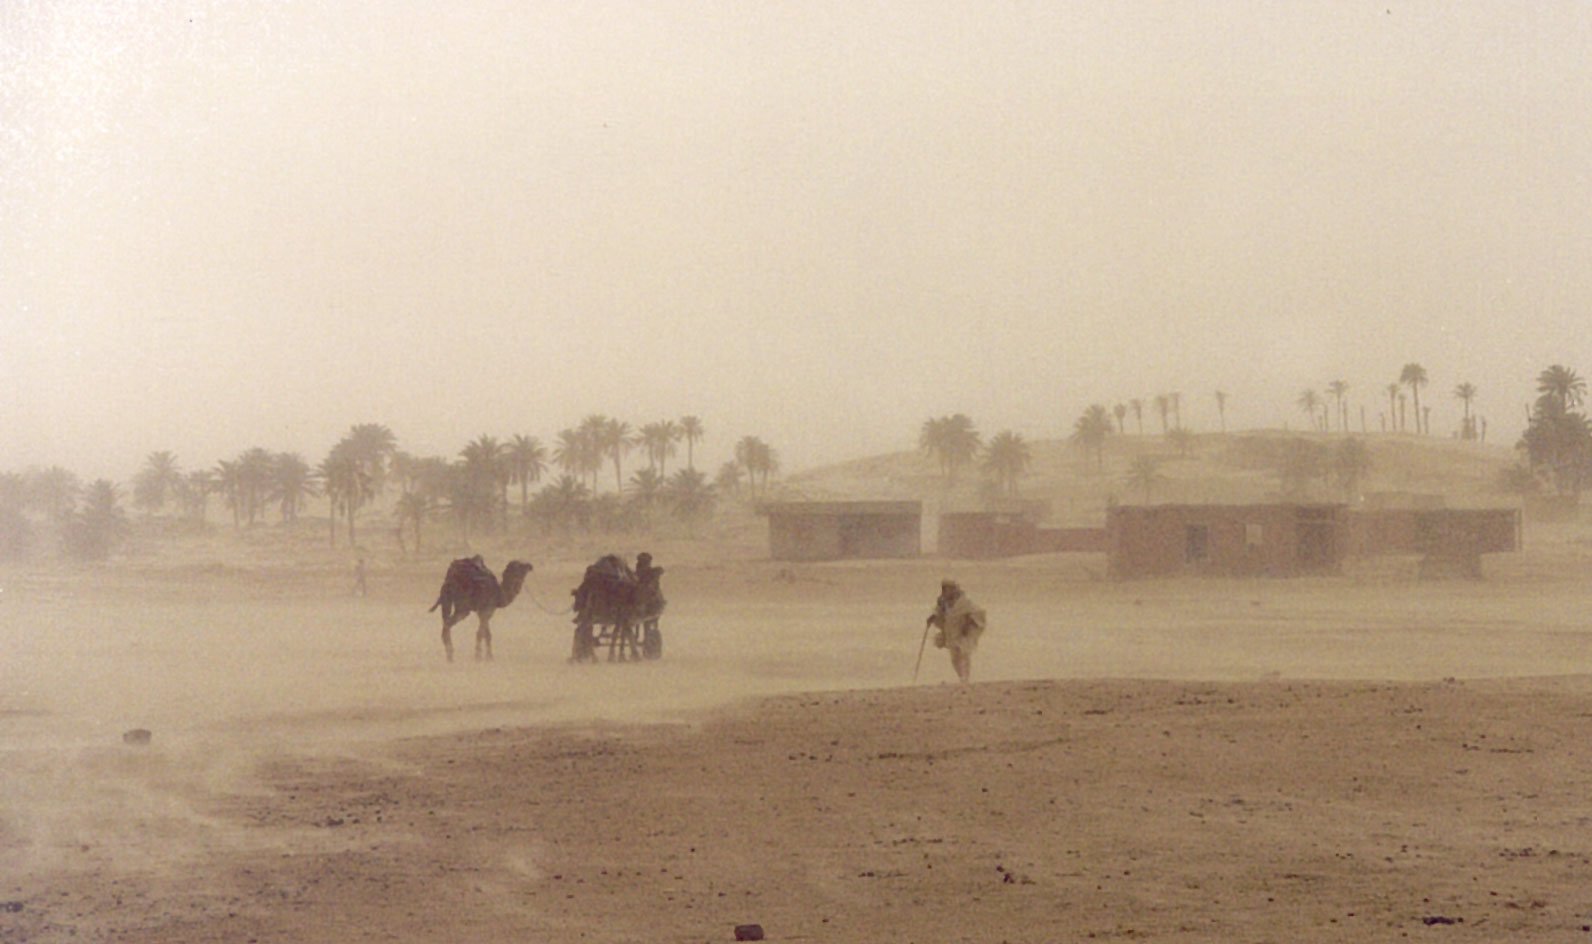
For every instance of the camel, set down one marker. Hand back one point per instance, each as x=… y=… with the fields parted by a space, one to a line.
x=610 y=596
x=470 y=587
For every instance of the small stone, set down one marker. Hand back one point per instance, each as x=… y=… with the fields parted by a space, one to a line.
x=748 y=932
x=139 y=736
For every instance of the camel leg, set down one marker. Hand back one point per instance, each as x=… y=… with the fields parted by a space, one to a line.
x=447 y=637
x=483 y=637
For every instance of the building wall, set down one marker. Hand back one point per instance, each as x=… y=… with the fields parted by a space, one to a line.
x=835 y=534
x=1248 y=540
x=1451 y=531
x=1076 y=540
x=984 y=535
x=803 y=537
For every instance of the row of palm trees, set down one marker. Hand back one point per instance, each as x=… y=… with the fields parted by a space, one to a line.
x=954 y=443
x=90 y=517
x=1412 y=378
x=473 y=488
x=1323 y=408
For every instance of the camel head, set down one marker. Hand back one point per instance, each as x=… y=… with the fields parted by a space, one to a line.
x=514 y=578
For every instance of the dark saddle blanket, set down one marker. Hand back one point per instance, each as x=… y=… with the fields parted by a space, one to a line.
x=607 y=591
x=469 y=575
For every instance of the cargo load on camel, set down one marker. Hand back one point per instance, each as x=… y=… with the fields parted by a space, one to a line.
x=613 y=605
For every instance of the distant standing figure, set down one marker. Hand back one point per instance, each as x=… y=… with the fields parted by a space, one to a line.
x=961 y=622
x=359 y=577
x=650 y=603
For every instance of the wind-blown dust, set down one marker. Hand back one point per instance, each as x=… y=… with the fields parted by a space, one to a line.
x=318 y=771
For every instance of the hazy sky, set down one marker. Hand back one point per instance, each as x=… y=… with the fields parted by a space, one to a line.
x=234 y=224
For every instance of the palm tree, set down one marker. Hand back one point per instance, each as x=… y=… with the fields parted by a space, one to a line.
x=1007 y=457
x=372 y=444
x=473 y=490
x=255 y=468
x=1310 y=402
x=658 y=441
x=564 y=503
x=1163 y=406
x=431 y=476
x=93 y=531
x=646 y=487
x=953 y=440
x=691 y=431
x=759 y=461
x=404 y=468
x=690 y=497
x=1221 y=408
x=1414 y=376
x=227 y=485
x=728 y=481
x=1137 y=406
x=1562 y=384
x=527 y=461
x=1120 y=411
x=1466 y=393
x=1393 y=406
x=159 y=479
x=1145 y=473
x=413 y=508
x=613 y=438
x=54 y=491
x=348 y=486
x=1176 y=400
x=1558 y=438
x=576 y=453
x=292 y=481
x=1339 y=389
x=486 y=468
x=1090 y=431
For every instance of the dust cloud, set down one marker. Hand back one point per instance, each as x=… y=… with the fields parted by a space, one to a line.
x=231 y=674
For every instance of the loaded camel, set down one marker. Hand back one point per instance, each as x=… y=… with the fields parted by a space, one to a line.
x=470 y=587
x=610 y=604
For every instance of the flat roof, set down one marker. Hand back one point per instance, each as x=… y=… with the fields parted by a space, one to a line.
x=831 y=508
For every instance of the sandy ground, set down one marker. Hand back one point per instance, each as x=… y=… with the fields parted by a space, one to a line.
x=1353 y=758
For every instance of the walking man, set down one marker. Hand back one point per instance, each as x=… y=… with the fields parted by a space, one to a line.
x=961 y=622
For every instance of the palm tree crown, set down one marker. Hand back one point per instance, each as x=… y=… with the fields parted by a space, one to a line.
x=1007 y=457
x=1414 y=376
x=952 y=440
x=691 y=431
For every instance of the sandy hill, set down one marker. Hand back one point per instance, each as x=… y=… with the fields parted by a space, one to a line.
x=1234 y=467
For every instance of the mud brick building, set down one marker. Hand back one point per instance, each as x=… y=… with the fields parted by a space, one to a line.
x=1231 y=540
x=841 y=530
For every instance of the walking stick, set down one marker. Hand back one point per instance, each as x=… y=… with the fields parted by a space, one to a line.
x=921 y=645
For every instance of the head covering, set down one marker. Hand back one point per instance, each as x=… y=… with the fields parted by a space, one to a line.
x=949 y=584
x=644 y=558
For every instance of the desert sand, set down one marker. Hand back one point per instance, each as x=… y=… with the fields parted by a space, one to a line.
x=1358 y=757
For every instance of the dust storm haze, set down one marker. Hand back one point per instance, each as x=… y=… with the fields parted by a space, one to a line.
x=228 y=225
x=239 y=224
